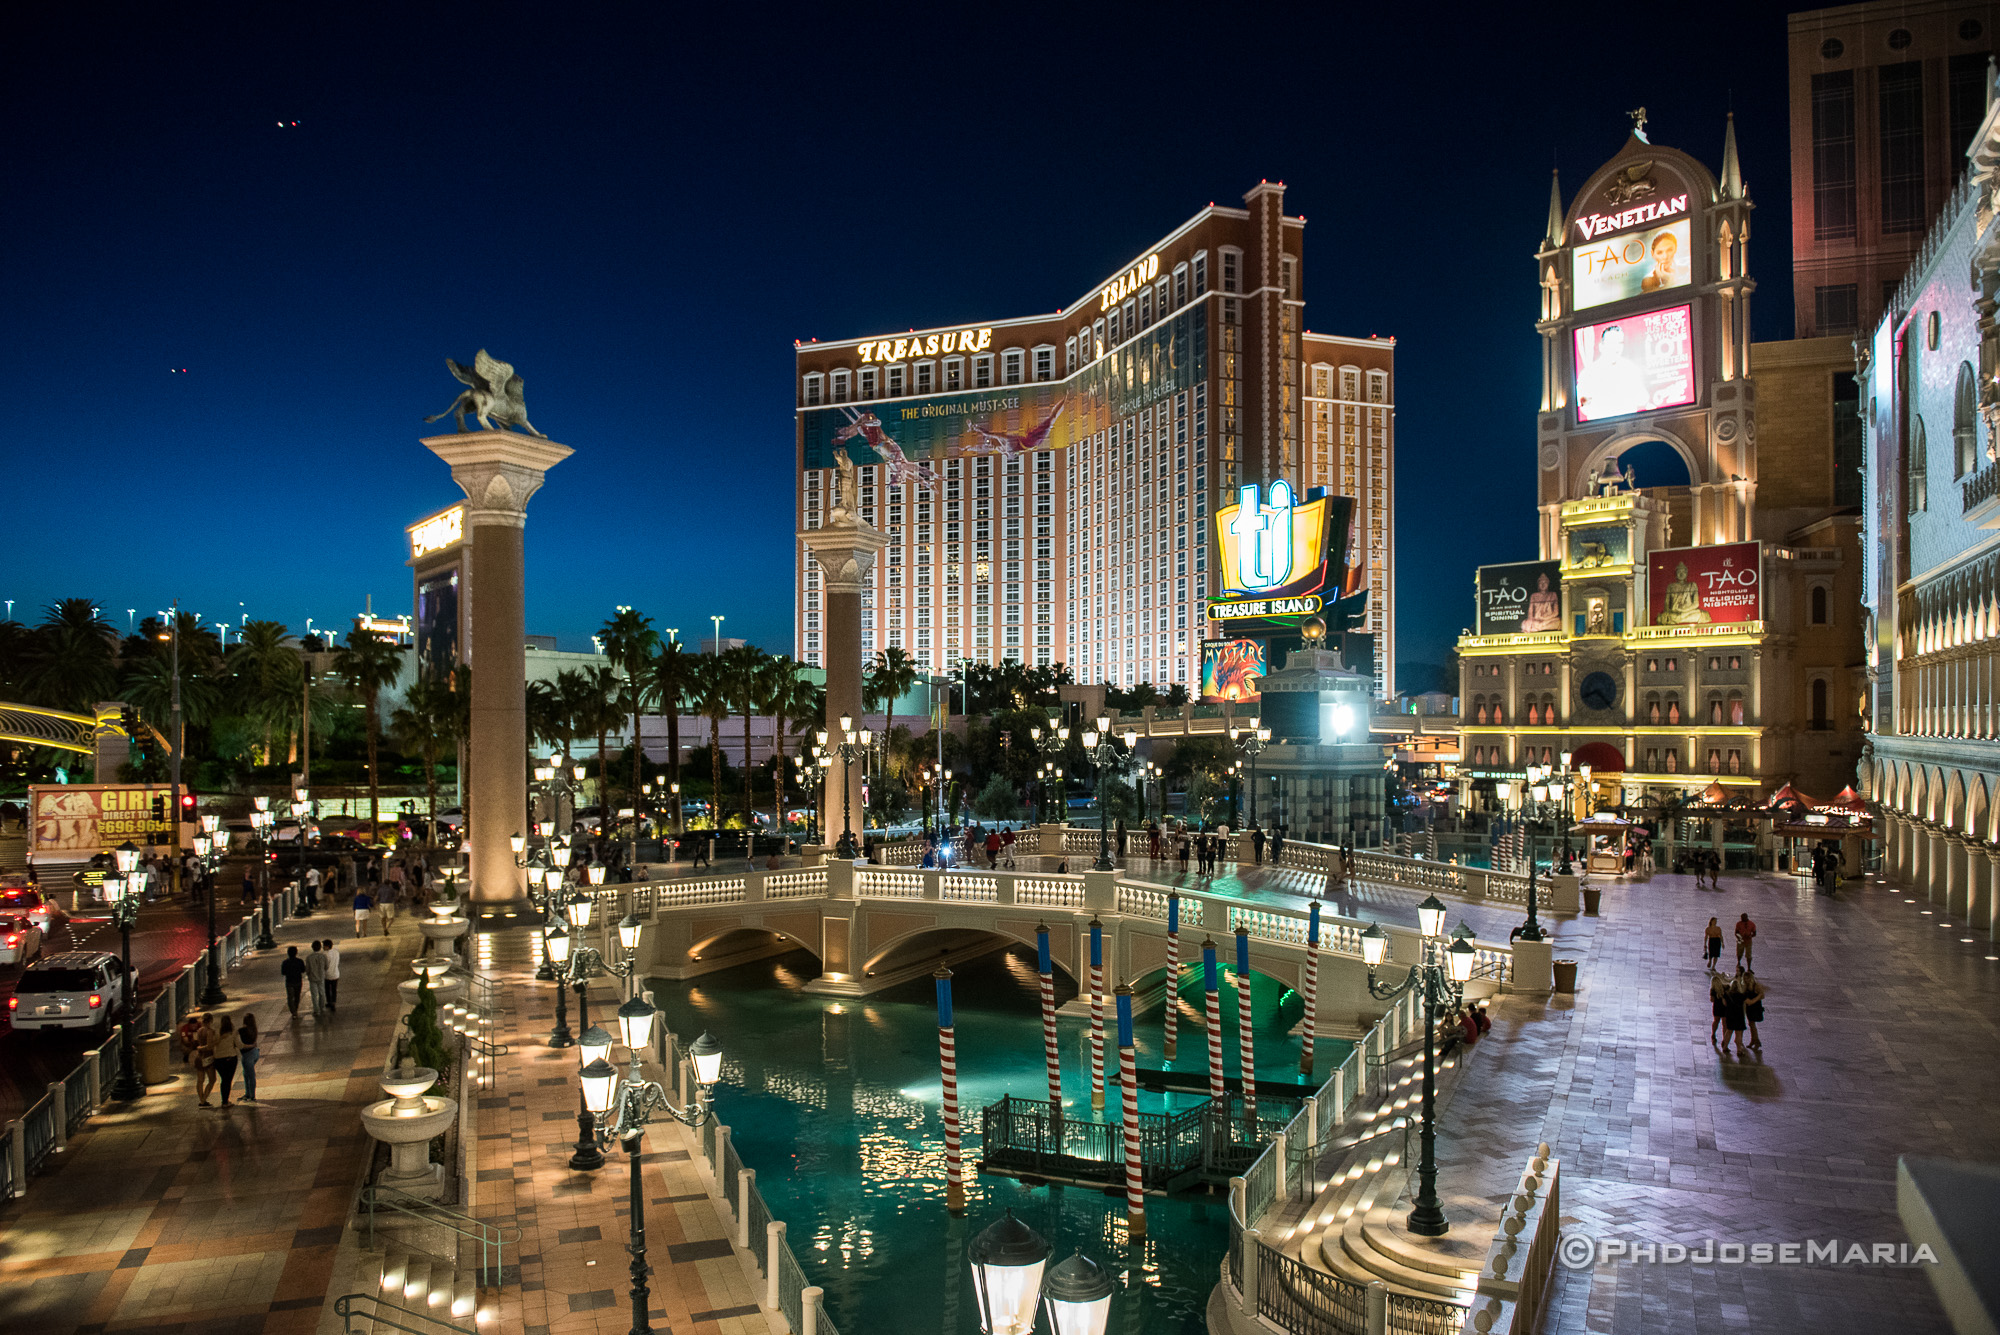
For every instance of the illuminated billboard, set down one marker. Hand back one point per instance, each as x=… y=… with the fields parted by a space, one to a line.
x=1282 y=560
x=1617 y=267
x=1520 y=599
x=1231 y=670
x=437 y=623
x=911 y=435
x=1635 y=364
x=1706 y=586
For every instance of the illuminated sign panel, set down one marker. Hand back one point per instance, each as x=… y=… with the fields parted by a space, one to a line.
x=1630 y=265
x=926 y=345
x=438 y=532
x=1520 y=599
x=1231 y=670
x=1635 y=364
x=1272 y=549
x=437 y=623
x=1706 y=586
x=1639 y=215
x=1125 y=284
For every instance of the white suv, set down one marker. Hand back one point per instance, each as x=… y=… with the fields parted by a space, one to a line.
x=78 y=989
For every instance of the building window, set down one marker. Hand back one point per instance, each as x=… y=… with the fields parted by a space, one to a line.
x=1965 y=100
x=1288 y=271
x=1819 y=605
x=1069 y=355
x=1045 y=363
x=868 y=383
x=926 y=372
x=1916 y=486
x=1010 y=366
x=1201 y=273
x=1836 y=309
x=1834 y=208
x=1847 y=441
x=982 y=371
x=840 y=386
x=1820 y=722
x=1232 y=269
x=1965 y=423
x=813 y=383
x=1180 y=285
x=1735 y=710
x=1900 y=98
x=954 y=373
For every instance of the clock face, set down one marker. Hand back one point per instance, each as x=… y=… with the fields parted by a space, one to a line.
x=1599 y=690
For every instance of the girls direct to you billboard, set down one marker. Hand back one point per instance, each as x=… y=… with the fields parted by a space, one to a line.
x=1706 y=586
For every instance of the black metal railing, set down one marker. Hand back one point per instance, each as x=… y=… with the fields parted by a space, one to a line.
x=1211 y=1141
x=1981 y=487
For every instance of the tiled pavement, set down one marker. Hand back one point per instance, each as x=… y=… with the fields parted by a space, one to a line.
x=574 y=1269
x=1882 y=1036
x=168 y=1218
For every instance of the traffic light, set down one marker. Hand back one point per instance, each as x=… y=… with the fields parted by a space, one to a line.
x=159 y=809
x=187 y=806
x=128 y=720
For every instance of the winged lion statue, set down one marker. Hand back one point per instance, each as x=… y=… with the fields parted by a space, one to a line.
x=492 y=392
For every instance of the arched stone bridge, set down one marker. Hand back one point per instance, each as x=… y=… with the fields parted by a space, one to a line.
x=873 y=927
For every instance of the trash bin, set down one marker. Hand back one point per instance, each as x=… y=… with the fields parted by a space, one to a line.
x=1592 y=896
x=1565 y=971
x=153 y=1058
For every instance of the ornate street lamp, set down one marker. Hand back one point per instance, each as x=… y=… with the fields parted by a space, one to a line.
x=620 y=1110
x=1007 y=1260
x=1439 y=978
x=853 y=745
x=1050 y=742
x=130 y=883
x=1077 y=1294
x=1251 y=742
x=208 y=846
x=1097 y=744
x=301 y=807
x=262 y=821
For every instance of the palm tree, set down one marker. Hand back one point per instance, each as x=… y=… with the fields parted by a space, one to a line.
x=777 y=697
x=267 y=672
x=426 y=721
x=743 y=669
x=891 y=674
x=70 y=661
x=369 y=664
x=712 y=697
x=673 y=673
x=628 y=640
x=149 y=685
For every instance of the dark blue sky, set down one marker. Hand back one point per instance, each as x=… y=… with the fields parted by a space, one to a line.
x=642 y=213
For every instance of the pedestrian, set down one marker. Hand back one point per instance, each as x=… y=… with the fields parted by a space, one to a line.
x=1717 y=985
x=992 y=850
x=1153 y=836
x=1711 y=944
x=1753 y=1007
x=226 y=1052
x=203 y=1059
x=1733 y=1009
x=364 y=907
x=312 y=886
x=332 y=976
x=294 y=970
x=316 y=978
x=1746 y=937
x=1007 y=848
x=1184 y=854
x=1121 y=838
x=248 y=1037
x=189 y=1034
x=701 y=847
x=385 y=909
x=1257 y=844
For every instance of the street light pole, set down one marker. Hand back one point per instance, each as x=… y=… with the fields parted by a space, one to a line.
x=1439 y=978
x=852 y=745
x=1104 y=752
x=1251 y=742
x=125 y=912
x=206 y=847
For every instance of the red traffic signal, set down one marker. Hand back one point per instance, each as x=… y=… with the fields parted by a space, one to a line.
x=187 y=805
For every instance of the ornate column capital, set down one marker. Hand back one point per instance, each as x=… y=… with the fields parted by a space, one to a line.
x=499 y=471
x=845 y=551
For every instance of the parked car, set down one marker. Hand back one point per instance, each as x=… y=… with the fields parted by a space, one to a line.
x=78 y=989
x=20 y=939
x=26 y=901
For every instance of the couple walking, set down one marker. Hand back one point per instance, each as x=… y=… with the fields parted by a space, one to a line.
x=320 y=971
x=215 y=1049
x=1746 y=939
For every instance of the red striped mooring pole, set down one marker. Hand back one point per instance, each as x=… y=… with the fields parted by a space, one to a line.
x=954 y=1176
x=1173 y=1017
x=1096 y=1014
x=1128 y=1076
x=1050 y=1051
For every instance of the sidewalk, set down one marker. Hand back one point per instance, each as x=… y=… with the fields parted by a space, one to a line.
x=165 y=1217
x=575 y=1272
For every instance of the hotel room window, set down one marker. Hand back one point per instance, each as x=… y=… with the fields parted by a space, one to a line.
x=1232 y=269
x=867 y=383
x=1146 y=308
x=954 y=373
x=1201 y=273
x=895 y=380
x=1180 y=285
x=926 y=372
x=982 y=371
x=1010 y=366
x=1069 y=355
x=841 y=381
x=1045 y=363
x=812 y=393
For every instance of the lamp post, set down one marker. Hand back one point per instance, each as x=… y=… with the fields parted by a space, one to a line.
x=208 y=846
x=1008 y=1259
x=1439 y=979
x=1097 y=744
x=1050 y=741
x=852 y=745
x=261 y=823
x=1251 y=742
x=124 y=912
x=301 y=808
x=621 y=1109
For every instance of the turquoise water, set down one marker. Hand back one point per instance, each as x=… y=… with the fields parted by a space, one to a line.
x=836 y=1104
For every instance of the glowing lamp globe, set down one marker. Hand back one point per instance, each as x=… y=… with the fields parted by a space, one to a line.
x=1430 y=915
x=707 y=1055
x=1374 y=945
x=598 y=1078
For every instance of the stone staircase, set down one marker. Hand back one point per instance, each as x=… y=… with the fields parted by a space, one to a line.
x=416 y=1291
x=1352 y=1229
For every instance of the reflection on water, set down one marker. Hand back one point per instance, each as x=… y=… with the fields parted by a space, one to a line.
x=836 y=1105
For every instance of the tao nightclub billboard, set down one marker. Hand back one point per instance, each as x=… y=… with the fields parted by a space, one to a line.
x=1635 y=364
x=1706 y=586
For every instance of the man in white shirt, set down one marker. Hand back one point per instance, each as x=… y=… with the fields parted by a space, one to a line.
x=332 y=953
x=312 y=887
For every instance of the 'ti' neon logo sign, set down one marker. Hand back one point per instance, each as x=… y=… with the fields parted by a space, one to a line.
x=1266 y=547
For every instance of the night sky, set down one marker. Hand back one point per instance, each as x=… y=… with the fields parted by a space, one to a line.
x=223 y=329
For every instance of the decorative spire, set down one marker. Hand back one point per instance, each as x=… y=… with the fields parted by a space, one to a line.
x=1554 y=235
x=1732 y=170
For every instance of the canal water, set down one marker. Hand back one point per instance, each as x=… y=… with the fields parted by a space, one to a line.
x=836 y=1105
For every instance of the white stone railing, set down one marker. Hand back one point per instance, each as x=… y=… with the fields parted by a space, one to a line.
x=872 y=884
x=809 y=883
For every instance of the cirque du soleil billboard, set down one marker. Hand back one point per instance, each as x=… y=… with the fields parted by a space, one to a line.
x=1635 y=364
x=910 y=435
x=1520 y=599
x=1231 y=670
x=1706 y=586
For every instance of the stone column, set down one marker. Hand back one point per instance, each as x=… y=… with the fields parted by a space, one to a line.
x=845 y=551
x=1986 y=897
x=1955 y=868
x=498 y=471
